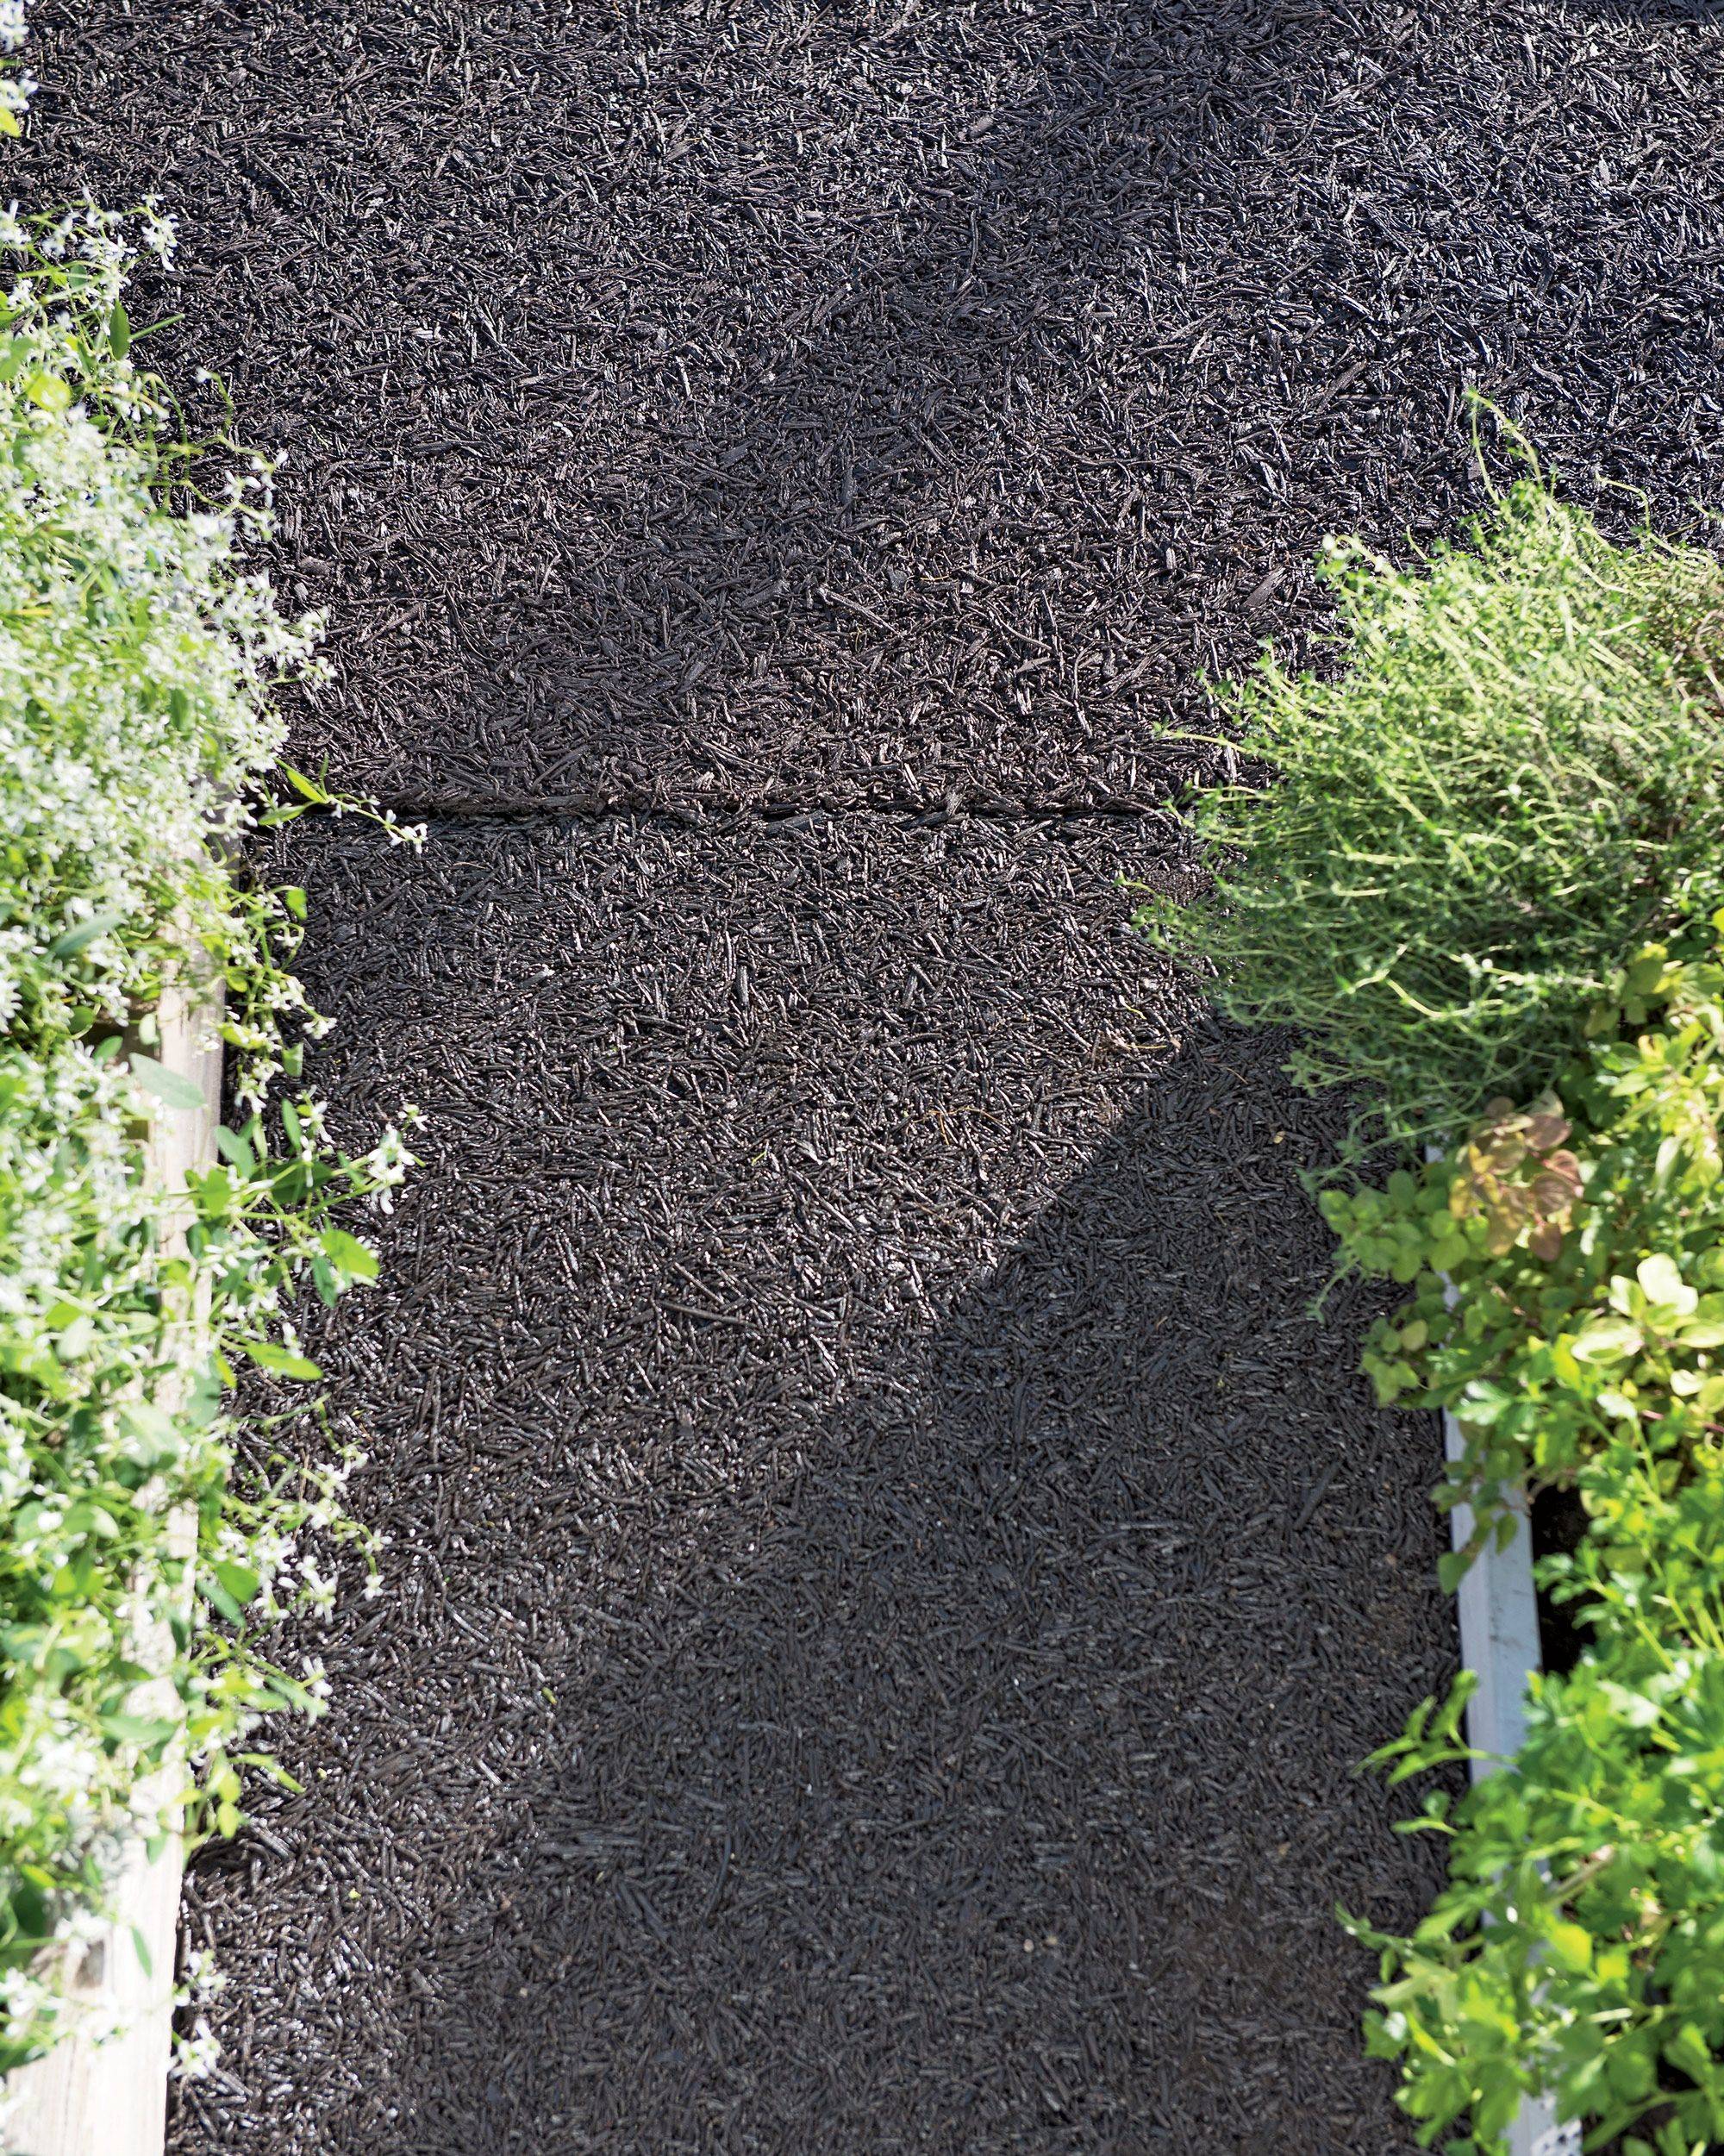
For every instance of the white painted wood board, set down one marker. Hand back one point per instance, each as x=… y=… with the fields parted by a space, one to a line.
x=110 y=2099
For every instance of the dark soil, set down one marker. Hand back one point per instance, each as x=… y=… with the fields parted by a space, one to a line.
x=888 y=1583
x=1559 y=1527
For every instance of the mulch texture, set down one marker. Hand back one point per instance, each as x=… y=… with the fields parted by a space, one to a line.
x=888 y=1583
x=719 y=399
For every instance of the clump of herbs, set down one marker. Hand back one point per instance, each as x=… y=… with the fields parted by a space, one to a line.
x=1506 y=779
x=1566 y=1269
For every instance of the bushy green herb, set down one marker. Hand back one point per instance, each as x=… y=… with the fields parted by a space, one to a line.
x=138 y=656
x=1581 y=1243
x=1577 y=1949
x=1506 y=780
x=1511 y=780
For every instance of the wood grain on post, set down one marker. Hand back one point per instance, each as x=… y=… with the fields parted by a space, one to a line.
x=90 y=2098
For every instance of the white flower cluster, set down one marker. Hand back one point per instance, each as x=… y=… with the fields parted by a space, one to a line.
x=138 y=657
x=16 y=89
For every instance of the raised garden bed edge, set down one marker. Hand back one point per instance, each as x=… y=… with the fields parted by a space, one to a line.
x=86 y=2099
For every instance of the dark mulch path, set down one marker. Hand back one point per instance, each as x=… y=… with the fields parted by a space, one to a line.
x=888 y=1583
x=713 y=397
x=868 y=1495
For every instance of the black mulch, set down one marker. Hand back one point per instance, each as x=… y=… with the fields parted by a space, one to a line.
x=855 y=402
x=888 y=1583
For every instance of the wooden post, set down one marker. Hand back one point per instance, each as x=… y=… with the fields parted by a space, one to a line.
x=86 y=2099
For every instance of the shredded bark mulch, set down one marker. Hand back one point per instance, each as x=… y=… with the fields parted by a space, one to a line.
x=711 y=399
x=889 y=1583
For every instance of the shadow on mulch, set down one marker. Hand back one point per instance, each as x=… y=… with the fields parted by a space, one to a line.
x=889 y=1582
x=690 y=404
x=865 y=495
x=996 y=1793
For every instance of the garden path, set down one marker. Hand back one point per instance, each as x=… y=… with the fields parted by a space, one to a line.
x=888 y=1583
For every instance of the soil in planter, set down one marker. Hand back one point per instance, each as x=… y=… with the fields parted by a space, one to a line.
x=1559 y=1526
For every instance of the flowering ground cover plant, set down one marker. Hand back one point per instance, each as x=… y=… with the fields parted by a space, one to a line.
x=138 y=656
x=1480 y=878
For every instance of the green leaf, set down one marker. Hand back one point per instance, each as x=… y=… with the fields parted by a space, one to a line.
x=171 y=1087
x=146 y=1731
x=153 y=1435
x=235 y=1147
x=357 y=1259
x=48 y=391
x=119 y=331
x=80 y=938
x=241 y=1581
x=269 y=1355
x=1662 y=1282
x=1690 y=2050
x=1451 y=1569
x=1608 y=1340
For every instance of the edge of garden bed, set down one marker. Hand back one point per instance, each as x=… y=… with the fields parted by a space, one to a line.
x=85 y=2099
x=1498 y=1606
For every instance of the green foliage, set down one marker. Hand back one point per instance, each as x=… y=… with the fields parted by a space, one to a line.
x=1567 y=1265
x=138 y=656
x=1511 y=779
x=1578 y=1338
x=1578 y=1947
x=1507 y=780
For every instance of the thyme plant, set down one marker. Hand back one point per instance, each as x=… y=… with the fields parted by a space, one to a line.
x=1501 y=780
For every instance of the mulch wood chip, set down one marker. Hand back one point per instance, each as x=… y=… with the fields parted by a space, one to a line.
x=722 y=400
x=888 y=1581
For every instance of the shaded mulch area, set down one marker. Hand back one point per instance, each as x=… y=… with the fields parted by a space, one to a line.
x=887 y=1584
x=706 y=399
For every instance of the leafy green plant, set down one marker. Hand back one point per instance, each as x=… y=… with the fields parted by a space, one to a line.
x=1510 y=779
x=1566 y=1264
x=138 y=660
x=1578 y=1948
x=1506 y=778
